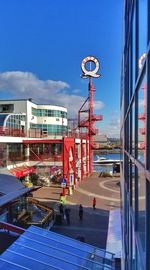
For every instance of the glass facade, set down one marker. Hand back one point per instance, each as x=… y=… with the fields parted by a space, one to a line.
x=15 y=120
x=48 y=150
x=12 y=120
x=15 y=152
x=48 y=113
x=3 y=157
x=135 y=128
x=49 y=128
x=6 y=108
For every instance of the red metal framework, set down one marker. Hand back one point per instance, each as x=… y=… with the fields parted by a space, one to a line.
x=11 y=227
x=47 y=155
x=89 y=121
x=36 y=134
x=69 y=157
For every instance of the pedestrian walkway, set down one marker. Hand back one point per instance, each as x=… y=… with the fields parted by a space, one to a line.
x=94 y=226
x=105 y=189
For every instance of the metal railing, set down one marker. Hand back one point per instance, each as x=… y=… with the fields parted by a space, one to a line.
x=6 y=131
x=45 y=157
x=36 y=133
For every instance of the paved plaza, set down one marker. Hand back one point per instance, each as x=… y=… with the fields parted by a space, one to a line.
x=94 y=226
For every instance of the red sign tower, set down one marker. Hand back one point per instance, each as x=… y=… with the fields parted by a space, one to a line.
x=88 y=106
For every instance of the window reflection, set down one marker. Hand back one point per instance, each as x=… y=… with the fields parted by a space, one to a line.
x=133 y=249
x=142 y=26
x=142 y=121
x=133 y=52
x=133 y=187
x=133 y=129
x=141 y=207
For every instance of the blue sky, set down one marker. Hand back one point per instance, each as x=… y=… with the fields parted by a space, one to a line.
x=43 y=43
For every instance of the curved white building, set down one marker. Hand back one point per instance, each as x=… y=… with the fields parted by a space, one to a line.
x=48 y=119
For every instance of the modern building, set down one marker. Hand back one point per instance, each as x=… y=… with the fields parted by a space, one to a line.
x=135 y=127
x=35 y=139
x=101 y=140
x=31 y=117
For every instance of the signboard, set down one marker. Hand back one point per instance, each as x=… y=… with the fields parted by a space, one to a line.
x=90 y=73
x=63 y=183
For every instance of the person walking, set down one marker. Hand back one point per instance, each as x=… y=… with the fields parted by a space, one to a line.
x=94 y=203
x=67 y=214
x=80 y=212
x=61 y=209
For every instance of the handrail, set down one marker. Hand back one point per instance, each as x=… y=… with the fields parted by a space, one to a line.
x=10 y=132
x=11 y=227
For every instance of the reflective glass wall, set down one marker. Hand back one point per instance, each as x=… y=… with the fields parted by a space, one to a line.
x=135 y=135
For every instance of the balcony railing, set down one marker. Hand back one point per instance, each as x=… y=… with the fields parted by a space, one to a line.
x=6 y=131
x=45 y=157
x=36 y=133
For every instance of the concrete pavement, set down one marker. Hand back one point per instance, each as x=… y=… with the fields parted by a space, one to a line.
x=94 y=226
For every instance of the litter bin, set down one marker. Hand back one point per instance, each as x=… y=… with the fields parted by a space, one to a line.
x=58 y=219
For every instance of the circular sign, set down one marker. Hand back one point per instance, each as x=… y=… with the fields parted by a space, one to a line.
x=90 y=73
x=63 y=182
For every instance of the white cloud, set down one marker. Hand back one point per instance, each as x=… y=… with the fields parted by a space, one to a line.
x=98 y=105
x=141 y=103
x=25 y=83
x=115 y=122
x=114 y=128
x=110 y=128
x=20 y=84
x=76 y=91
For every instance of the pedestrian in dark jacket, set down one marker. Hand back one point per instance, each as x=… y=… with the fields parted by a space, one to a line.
x=80 y=212
x=67 y=214
x=94 y=203
x=61 y=209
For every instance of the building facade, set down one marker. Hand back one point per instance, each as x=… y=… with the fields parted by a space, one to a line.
x=101 y=140
x=47 y=119
x=34 y=139
x=135 y=137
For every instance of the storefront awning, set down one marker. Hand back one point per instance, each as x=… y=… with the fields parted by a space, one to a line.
x=22 y=171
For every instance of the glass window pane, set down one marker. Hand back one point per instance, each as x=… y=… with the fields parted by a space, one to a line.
x=141 y=207
x=142 y=27
x=133 y=52
x=133 y=187
x=133 y=129
x=142 y=121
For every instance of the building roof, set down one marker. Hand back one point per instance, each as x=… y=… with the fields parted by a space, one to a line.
x=11 y=188
x=30 y=99
x=20 y=99
x=100 y=138
x=9 y=183
x=40 y=249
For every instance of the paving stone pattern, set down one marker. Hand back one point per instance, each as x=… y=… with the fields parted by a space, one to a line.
x=94 y=226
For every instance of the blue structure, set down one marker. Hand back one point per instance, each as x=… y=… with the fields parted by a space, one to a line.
x=135 y=137
x=40 y=249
